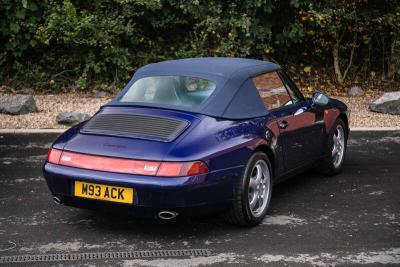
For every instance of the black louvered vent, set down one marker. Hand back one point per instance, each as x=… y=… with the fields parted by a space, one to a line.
x=140 y=126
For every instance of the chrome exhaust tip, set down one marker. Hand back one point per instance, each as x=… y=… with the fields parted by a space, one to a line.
x=167 y=215
x=57 y=200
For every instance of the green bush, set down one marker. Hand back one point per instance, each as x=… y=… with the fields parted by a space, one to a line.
x=51 y=44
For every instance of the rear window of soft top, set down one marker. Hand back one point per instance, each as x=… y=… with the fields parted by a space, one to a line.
x=180 y=91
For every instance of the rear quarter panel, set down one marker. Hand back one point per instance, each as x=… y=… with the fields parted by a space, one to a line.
x=222 y=144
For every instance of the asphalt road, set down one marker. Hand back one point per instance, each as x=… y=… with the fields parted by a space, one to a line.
x=350 y=219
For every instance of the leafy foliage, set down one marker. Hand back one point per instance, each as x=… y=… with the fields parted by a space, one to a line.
x=52 y=44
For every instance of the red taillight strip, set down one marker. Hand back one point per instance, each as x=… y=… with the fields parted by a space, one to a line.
x=54 y=155
x=170 y=169
x=109 y=164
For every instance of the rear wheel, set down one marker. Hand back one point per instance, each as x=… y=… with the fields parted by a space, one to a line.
x=332 y=163
x=252 y=193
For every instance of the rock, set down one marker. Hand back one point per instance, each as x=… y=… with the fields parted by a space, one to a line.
x=17 y=104
x=388 y=103
x=99 y=94
x=355 y=91
x=71 y=118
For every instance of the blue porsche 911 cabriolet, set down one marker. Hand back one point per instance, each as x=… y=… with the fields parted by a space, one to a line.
x=195 y=136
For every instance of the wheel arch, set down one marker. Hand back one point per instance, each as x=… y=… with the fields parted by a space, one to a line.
x=270 y=154
x=345 y=119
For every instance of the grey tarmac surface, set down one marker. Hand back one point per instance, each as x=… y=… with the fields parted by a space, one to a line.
x=351 y=219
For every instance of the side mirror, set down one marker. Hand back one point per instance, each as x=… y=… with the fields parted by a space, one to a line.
x=320 y=99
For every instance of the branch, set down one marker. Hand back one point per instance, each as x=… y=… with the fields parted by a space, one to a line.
x=60 y=73
x=351 y=58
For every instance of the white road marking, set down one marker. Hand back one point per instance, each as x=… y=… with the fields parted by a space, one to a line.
x=283 y=220
x=188 y=262
x=376 y=193
x=368 y=129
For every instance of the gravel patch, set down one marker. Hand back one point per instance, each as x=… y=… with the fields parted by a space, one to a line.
x=48 y=108
x=50 y=105
x=361 y=116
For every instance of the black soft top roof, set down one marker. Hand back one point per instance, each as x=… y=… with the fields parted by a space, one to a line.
x=235 y=96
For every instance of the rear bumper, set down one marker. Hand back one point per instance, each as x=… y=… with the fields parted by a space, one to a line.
x=185 y=195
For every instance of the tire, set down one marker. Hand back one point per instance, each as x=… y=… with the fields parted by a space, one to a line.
x=243 y=211
x=330 y=164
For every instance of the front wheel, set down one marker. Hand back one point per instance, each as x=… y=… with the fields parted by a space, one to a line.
x=253 y=192
x=332 y=163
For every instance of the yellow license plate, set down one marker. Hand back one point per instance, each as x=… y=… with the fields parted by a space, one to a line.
x=104 y=192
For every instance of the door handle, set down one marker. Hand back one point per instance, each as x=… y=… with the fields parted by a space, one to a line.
x=283 y=124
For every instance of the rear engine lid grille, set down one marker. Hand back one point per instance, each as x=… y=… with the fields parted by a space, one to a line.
x=139 y=126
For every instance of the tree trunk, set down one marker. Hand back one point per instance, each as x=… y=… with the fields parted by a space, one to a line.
x=340 y=77
x=336 y=63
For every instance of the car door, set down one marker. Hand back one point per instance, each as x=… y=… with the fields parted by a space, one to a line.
x=300 y=124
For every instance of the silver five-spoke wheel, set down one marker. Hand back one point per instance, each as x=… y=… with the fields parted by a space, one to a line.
x=338 y=146
x=259 y=188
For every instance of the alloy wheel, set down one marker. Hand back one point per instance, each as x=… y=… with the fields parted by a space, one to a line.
x=338 y=146
x=259 y=188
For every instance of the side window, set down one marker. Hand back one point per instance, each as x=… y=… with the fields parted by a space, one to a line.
x=272 y=91
x=292 y=94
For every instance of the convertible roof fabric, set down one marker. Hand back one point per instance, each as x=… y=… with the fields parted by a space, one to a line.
x=235 y=96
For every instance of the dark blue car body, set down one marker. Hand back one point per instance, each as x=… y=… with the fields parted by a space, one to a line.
x=222 y=137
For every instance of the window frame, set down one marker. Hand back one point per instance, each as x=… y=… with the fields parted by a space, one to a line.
x=285 y=82
x=283 y=74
